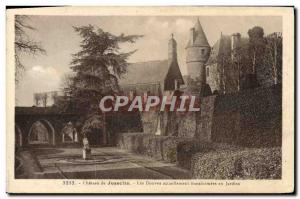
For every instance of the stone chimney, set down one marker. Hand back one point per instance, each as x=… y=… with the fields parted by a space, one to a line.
x=235 y=44
x=172 y=49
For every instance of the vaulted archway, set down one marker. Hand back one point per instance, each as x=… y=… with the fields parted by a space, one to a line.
x=41 y=132
x=69 y=133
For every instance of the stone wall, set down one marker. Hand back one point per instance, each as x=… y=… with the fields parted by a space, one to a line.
x=150 y=120
x=228 y=131
x=204 y=119
x=251 y=118
x=192 y=124
x=213 y=77
x=158 y=147
x=187 y=124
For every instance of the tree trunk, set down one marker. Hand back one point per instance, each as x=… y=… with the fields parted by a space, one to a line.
x=254 y=62
x=239 y=76
x=223 y=76
x=275 y=64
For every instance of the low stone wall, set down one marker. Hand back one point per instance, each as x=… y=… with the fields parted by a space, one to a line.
x=158 y=147
x=168 y=148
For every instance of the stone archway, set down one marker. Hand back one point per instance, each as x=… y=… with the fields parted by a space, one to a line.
x=69 y=133
x=18 y=136
x=94 y=129
x=41 y=132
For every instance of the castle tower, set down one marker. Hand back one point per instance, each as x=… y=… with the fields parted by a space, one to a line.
x=198 y=51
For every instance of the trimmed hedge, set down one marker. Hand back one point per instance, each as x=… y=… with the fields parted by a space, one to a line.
x=249 y=163
x=207 y=160
x=185 y=151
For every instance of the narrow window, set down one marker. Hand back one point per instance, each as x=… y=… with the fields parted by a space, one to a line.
x=176 y=84
x=202 y=51
x=207 y=72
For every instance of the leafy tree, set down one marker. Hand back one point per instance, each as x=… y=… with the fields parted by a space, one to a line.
x=23 y=44
x=256 y=46
x=273 y=57
x=97 y=67
x=242 y=64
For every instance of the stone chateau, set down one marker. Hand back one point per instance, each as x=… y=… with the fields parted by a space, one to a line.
x=208 y=77
x=211 y=70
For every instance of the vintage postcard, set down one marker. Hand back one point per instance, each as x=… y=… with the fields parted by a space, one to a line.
x=150 y=100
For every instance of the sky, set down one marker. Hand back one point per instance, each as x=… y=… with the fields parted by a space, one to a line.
x=57 y=36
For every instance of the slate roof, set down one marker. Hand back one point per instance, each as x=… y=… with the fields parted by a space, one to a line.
x=145 y=72
x=223 y=47
x=199 y=37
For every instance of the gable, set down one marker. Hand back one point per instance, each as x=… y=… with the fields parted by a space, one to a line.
x=173 y=73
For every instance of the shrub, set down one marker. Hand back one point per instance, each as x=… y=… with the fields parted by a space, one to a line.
x=254 y=163
x=171 y=155
x=186 y=149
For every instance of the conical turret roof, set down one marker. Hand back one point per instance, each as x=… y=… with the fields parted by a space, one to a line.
x=199 y=36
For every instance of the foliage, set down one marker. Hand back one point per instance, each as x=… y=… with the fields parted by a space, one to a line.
x=97 y=67
x=93 y=122
x=260 y=57
x=186 y=149
x=23 y=44
x=256 y=46
x=273 y=58
x=171 y=155
x=243 y=163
